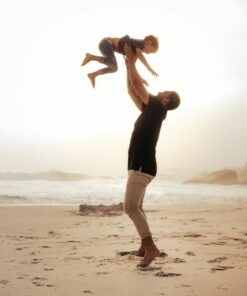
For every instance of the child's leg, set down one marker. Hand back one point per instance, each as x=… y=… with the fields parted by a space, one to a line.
x=90 y=57
x=108 y=59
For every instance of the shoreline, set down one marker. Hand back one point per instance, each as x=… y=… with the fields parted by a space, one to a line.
x=205 y=203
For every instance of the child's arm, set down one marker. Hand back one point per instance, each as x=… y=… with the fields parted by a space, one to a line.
x=145 y=63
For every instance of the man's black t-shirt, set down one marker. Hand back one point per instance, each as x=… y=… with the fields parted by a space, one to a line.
x=145 y=136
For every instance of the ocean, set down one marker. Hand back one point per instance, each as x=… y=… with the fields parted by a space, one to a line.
x=64 y=188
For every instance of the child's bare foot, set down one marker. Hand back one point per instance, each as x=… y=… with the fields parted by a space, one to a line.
x=91 y=76
x=87 y=59
x=149 y=256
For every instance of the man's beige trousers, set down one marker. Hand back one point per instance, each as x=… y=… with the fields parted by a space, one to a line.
x=133 y=203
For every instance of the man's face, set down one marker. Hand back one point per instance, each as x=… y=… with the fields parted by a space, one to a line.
x=164 y=97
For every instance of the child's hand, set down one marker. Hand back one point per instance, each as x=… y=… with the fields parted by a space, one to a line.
x=154 y=73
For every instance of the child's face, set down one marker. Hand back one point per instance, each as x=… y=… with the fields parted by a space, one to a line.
x=148 y=47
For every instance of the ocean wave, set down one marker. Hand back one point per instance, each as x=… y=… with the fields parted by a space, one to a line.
x=7 y=198
x=47 y=176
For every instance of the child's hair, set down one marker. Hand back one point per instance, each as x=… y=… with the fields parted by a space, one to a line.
x=153 y=40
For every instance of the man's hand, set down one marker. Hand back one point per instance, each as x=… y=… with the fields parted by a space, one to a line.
x=133 y=75
x=144 y=82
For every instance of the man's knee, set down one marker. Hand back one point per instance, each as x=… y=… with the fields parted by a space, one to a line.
x=130 y=210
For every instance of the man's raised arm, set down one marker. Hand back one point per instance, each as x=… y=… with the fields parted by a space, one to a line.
x=135 y=98
x=134 y=76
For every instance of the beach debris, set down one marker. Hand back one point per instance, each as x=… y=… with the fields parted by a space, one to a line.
x=101 y=210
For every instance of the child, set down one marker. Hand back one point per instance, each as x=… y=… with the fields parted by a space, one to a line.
x=108 y=47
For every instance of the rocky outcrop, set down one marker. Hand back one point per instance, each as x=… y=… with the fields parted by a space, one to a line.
x=223 y=177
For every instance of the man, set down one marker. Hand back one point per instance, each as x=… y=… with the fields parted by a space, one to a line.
x=141 y=159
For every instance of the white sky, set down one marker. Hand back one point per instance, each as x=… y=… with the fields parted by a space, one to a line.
x=51 y=118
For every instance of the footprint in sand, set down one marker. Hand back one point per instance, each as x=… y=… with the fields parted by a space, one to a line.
x=176 y=260
x=189 y=253
x=124 y=253
x=22 y=276
x=221 y=268
x=37 y=281
x=54 y=234
x=87 y=257
x=167 y=274
x=36 y=261
x=148 y=268
x=72 y=241
x=4 y=282
x=222 y=288
x=66 y=259
x=218 y=260
x=215 y=243
x=193 y=235
x=38 y=284
x=100 y=264
x=48 y=269
x=102 y=272
x=241 y=240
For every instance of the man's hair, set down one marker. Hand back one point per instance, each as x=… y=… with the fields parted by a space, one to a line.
x=153 y=40
x=174 y=101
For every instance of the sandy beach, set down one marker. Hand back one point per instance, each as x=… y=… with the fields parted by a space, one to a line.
x=55 y=250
